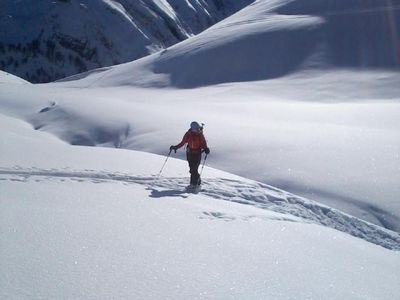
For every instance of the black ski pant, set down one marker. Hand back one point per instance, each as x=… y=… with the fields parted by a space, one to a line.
x=194 y=160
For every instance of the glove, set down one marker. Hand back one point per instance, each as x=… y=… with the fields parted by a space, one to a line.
x=207 y=151
x=173 y=148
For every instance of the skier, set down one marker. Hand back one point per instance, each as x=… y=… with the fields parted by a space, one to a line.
x=196 y=143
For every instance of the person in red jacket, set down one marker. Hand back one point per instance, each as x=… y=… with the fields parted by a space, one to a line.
x=196 y=144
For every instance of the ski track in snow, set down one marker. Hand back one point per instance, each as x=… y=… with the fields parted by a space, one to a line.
x=248 y=193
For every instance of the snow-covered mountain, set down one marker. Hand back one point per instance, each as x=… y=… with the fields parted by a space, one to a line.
x=43 y=40
x=312 y=212
x=273 y=38
x=46 y=40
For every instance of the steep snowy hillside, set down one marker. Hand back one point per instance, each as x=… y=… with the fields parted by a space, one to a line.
x=43 y=41
x=96 y=223
x=272 y=38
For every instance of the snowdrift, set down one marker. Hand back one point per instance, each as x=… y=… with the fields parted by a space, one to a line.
x=269 y=39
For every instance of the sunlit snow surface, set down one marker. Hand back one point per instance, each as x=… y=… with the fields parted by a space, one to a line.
x=311 y=134
x=84 y=222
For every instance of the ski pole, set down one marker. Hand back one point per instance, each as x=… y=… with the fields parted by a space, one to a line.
x=202 y=167
x=165 y=162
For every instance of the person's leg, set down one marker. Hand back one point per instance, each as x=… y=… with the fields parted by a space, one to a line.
x=197 y=162
x=194 y=160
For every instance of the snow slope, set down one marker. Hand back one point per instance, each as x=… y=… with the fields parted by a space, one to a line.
x=313 y=136
x=81 y=223
x=9 y=78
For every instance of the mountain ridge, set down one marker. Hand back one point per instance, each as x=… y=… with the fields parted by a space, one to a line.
x=42 y=41
x=266 y=40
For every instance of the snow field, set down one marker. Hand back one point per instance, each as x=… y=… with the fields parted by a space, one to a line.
x=118 y=242
x=83 y=222
x=326 y=150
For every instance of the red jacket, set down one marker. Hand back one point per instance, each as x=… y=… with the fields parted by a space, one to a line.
x=195 y=141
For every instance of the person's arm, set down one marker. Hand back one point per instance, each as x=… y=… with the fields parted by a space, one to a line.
x=183 y=142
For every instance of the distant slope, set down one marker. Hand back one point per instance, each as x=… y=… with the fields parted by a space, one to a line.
x=42 y=41
x=356 y=33
x=269 y=39
x=9 y=78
